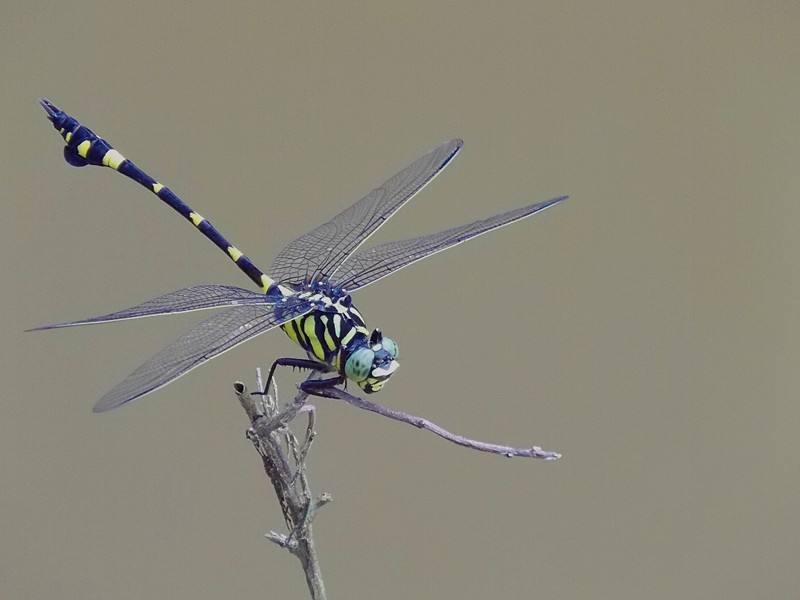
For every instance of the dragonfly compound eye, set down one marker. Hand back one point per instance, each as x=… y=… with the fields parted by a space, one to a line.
x=359 y=364
x=391 y=347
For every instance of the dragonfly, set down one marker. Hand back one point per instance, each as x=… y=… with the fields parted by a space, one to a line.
x=307 y=290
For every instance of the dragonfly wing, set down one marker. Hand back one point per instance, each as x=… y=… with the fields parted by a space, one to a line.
x=318 y=253
x=197 y=297
x=205 y=341
x=373 y=264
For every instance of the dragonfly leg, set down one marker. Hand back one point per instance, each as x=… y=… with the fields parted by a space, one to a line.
x=322 y=387
x=297 y=363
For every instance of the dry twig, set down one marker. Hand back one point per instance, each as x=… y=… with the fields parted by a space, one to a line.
x=284 y=459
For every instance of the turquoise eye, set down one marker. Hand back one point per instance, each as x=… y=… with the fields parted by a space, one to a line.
x=359 y=364
x=391 y=347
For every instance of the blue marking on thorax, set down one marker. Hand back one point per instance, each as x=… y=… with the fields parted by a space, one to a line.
x=324 y=286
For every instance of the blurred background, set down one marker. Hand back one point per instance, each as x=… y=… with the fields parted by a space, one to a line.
x=648 y=328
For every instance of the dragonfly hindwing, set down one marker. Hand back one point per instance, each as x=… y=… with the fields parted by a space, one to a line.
x=203 y=342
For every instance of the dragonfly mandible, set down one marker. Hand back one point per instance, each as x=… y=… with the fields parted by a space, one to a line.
x=307 y=290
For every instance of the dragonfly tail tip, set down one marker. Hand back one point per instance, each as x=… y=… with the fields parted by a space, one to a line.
x=51 y=109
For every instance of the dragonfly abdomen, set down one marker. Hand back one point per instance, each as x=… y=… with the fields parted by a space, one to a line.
x=84 y=147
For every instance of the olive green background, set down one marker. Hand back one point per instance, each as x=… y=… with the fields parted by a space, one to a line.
x=648 y=328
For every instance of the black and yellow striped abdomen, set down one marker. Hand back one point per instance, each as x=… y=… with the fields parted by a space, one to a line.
x=84 y=147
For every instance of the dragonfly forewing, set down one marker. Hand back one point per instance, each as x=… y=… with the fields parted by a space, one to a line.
x=198 y=297
x=317 y=254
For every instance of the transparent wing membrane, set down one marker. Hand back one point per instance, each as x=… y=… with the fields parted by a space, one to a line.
x=318 y=253
x=202 y=343
x=373 y=264
x=198 y=297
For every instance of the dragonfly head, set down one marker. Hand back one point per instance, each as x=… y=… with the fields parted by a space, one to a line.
x=371 y=364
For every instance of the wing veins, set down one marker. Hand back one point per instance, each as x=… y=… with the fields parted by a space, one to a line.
x=369 y=266
x=199 y=297
x=318 y=254
x=202 y=343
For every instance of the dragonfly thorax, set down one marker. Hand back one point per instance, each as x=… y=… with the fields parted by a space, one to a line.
x=335 y=333
x=327 y=288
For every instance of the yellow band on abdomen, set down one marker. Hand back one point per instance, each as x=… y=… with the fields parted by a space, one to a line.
x=113 y=159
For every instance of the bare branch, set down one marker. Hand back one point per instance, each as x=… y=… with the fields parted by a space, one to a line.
x=422 y=423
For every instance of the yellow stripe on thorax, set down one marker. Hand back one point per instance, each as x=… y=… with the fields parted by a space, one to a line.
x=289 y=330
x=337 y=324
x=349 y=336
x=316 y=346
x=326 y=335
